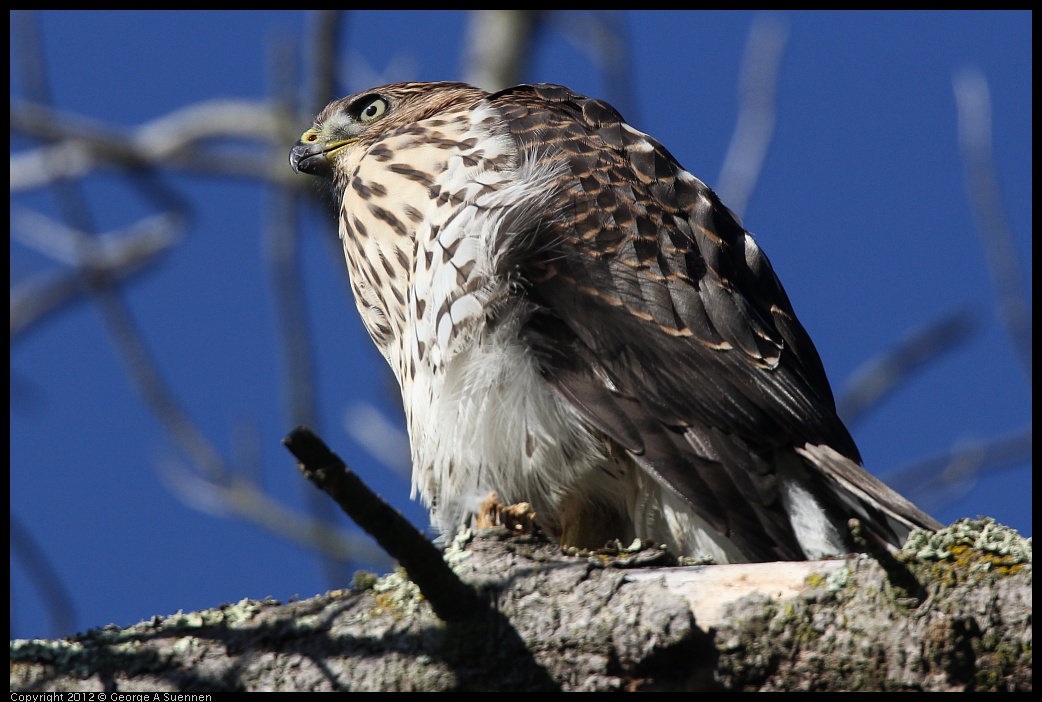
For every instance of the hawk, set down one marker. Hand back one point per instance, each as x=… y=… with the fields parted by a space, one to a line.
x=579 y=323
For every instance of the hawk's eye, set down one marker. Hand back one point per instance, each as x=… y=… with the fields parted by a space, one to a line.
x=372 y=110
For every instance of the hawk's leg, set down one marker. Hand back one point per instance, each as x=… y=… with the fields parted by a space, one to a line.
x=517 y=519
x=591 y=525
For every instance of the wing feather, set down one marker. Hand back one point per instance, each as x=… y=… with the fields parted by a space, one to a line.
x=644 y=278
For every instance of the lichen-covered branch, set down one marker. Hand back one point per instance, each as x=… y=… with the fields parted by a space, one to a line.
x=594 y=621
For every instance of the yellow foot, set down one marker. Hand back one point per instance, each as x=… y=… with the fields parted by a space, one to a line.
x=518 y=519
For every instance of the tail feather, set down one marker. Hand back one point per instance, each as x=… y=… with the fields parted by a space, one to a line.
x=881 y=510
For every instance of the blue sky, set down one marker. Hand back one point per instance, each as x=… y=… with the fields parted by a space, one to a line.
x=861 y=206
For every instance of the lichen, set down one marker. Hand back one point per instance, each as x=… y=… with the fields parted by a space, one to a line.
x=363 y=580
x=397 y=594
x=973 y=545
x=456 y=552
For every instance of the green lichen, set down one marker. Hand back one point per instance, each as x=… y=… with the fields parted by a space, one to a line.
x=837 y=580
x=692 y=561
x=815 y=580
x=397 y=594
x=80 y=650
x=974 y=545
x=457 y=552
x=363 y=580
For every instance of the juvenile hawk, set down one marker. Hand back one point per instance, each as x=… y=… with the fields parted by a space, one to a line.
x=577 y=322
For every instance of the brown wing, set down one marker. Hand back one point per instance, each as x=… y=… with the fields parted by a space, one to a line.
x=664 y=324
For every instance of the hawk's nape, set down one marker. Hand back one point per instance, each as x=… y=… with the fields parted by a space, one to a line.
x=577 y=322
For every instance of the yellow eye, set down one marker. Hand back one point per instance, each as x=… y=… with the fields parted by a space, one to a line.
x=372 y=110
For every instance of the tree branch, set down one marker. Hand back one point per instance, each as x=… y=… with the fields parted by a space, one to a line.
x=754 y=128
x=877 y=377
x=982 y=184
x=595 y=623
x=451 y=599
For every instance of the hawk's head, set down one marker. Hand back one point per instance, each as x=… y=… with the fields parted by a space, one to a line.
x=356 y=121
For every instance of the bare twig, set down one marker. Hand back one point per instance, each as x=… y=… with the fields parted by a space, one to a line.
x=451 y=599
x=282 y=242
x=879 y=376
x=600 y=35
x=326 y=29
x=179 y=140
x=982 y=183
x=244 y=498
x=163 y=142
x=49 y=585
x=119 y=255
x=754 y=128
x=941 y=479
x=498 y=44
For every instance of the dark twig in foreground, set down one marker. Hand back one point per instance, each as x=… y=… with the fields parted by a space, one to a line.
x=484 y=629
x=451 y=599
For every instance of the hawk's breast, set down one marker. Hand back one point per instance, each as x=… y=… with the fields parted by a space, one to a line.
x=427 y=235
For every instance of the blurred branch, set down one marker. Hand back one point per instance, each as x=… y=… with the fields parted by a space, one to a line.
x=282 y=246
x=600 y=35
x=99 y=266
x=385 y=440
x=82 y=248
x=879 y=376
x=77 y=147
x=118 y=255
x=754 y=129
x=243 y=498
x=58 y=602
x=30 y=64
x=176 y=141
x=940 y=480
x=282 y=242
x=326 y=28
x=974 y=112
x=497 y=48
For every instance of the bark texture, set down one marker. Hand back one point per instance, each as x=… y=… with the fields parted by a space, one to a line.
x=613 y=620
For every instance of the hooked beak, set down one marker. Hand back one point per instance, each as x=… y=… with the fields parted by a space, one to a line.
x=312 y=154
